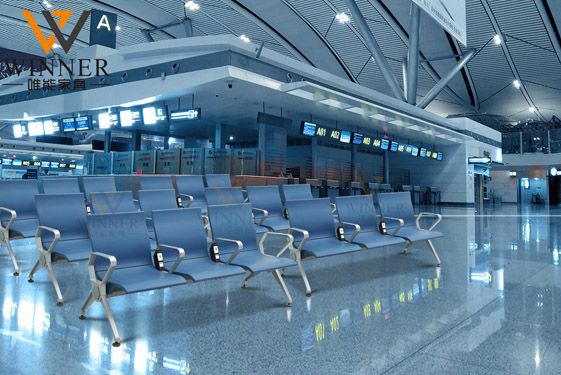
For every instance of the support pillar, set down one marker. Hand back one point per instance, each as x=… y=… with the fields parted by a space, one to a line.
x=413 y=57
x=353 y=162
x=136 y=140
x=314 y=150
x=262 y=157
x=218 y=136
x=386 y=167
x=166 y=143
x=107 y=141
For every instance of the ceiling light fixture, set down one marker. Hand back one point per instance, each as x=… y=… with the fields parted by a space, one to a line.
x=342 y=18
x=46 y=4
x=244 y=38
x=498 y=39
x=192 y=6
x=57 y=46
x=516 y=83
x=118 y=28
x=532 y=109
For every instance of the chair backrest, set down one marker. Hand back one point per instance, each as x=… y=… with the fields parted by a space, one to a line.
x=296 y=192
x=218 y=180
x=151 y=200
x=18 y=195
x=181 y=227
x=65 y=212
x=397 y=205
x=358 y=209
x=374 y=186
x=123 y=235
x=156 y=182
x=60 y=186
x=313 y=215
x=191 y=185
x=98 y=185
x=220 y=196
x=233 y=221
x=112 y=202
x=267 y=198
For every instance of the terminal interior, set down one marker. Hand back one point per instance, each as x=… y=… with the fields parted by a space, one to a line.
x=301 y=187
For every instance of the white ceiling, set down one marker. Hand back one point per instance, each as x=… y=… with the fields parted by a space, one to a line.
x=305 y=29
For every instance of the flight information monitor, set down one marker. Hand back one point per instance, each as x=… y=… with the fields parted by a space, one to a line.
x=83 y=123
x=357 y=138
x=309 y=129
x=345 y=136
x=35 y=128
x=423 y=152
x=440 y=156
x=154 y=115
x=394 y=146
x=107 y=120
x=130 y=117
x=385 y=144
x=415 y=151
x=68 y=124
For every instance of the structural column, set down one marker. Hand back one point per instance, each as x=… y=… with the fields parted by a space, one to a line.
x=353 y=162
x=386 y=167
x=262 y=149
x=136 y=140
x=218 y=137
x=107 y=141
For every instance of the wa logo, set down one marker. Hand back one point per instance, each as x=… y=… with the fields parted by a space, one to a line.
x=56 y=19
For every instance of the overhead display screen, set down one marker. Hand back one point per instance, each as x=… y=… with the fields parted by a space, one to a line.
x=309 y=129
x=345 y=136
x=401 y=148
x=385 y=144
x=17 y=162
x=358 y=138
x=415 y=151
x=35 y=129
x=154 y=115
x=68 y=124
x=36 y=163
x=189 y=114
x=83 y=123
x=409 y=149
x=107 y=120
x=45 y=164
x=6 y=161
x=26 y=163
x=439 y=156
x=429 y=154
x=423 y=152
x=130 y=117
x=54 y=164
x=51 y=127
x=19 y=130
x=394 y=146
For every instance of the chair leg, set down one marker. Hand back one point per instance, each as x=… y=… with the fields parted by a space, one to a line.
x=278 y=277
x=38 y=265
x=59 y=300
x=86 y=306
x=304 y=277
x=249 y=276
x=406 y=249
x=116 y=337
x=431 y=247
x=12 y=255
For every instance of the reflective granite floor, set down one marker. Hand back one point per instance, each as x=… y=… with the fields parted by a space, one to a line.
x=493 y=308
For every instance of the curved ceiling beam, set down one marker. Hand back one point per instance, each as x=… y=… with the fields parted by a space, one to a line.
x=402 y=34
x=244 y=11
x=324 y=40
x=550 y=26
x=468 y=79
x=509 y=59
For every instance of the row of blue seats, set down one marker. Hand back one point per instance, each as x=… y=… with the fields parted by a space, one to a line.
x=310 y=221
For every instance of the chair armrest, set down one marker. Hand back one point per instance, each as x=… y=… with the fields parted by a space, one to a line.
x=263 y=216
x=333 y=207
x=149 y=218
x=189 y=199
x=304 y=233
x=356 y=229
x=239 y=244
x=438 y=218
x=180 y=255
x=39 y=240
x=400 y=221
x=288 y=245
x=91 y=269
x=13 y=216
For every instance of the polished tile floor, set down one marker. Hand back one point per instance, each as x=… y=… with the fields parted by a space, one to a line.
x=494 y=307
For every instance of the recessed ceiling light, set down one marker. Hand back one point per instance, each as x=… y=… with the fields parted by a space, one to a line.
x=192 y=6
x=342 y=17
x=516 y=83
x=498 y=39
x=231 y=138
x=532 y=109
x=118 y=28
x=244 y=38
x=57 y=46
x=47 y=4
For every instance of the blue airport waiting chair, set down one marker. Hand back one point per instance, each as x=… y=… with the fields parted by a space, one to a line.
x=359 y=210
x=218 y=180
x=295 y=192
x=232 y=195
x=101 y=184
x=60 y=186
x=112 y=202
x=18 y=218
x=268 y=200
x=398 y=209
x=192 y=190
x=156 y=183
x=151 y=200
x=233 y=230
x=122 y=262
x=170 y=228
x=312 y=220
x=62 y=235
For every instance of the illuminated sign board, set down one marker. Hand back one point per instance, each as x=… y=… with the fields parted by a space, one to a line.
x=415 y=151
x=429 y=154
x=68 y=124
x=423 y=152
x=51 y=127
x=358 y=138
x=189 y=114
x=26 y=163
x=440 y=156
x=385 y=144
x=83 y=123
x=107 y=120
x=394 y=146
x=154 y=115
x=45 y=164
x=377 y=143
x=130 y=117
x=17 y=162
x=19 y=130
x=401 y=148
x=35 y=129
x=309 y=129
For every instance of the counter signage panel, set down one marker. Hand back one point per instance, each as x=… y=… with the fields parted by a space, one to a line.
x=429 y=154
x=423 y=152
x=358 y=138
x=6 y=161
x=415 y=151
x=409 y=149
x=394 y=146
x=385 y=144
x=367 y=141
x=335 y=135
x=45 y=164
x=309 y=129
x=345 y=136
x=439 y=156
x=68 y=124
x=17 y=162
x=377 y=143
x=401 y=148
x=26 y=163
x=36 y=163
x=130 y=117
x=83 y=123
